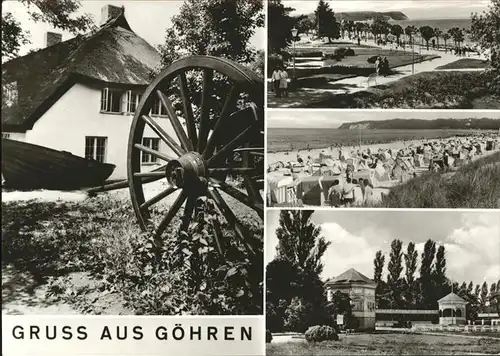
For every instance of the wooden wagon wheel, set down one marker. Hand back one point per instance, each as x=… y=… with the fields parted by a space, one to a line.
x=217 y=142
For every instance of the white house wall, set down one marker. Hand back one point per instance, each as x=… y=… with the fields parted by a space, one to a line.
x=77 y=115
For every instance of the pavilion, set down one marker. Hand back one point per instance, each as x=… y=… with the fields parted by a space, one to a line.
x=452 y=310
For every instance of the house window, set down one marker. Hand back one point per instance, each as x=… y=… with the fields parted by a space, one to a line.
x=133 y=100
x=5 y=135
x=9 y=94
x=153 y=143
x=111 y=100
x=95 y=148
x=158 y=109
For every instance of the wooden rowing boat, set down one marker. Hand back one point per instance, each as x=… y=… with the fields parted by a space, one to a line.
x=28 y=166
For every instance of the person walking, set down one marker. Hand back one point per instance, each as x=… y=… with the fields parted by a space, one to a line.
x=283 y=87
x=378 y=63
x=386 y=66
x=276 y=77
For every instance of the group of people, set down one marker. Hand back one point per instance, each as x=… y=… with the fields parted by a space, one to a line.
x=344 y=194
x=382 y=66
x=280 y=82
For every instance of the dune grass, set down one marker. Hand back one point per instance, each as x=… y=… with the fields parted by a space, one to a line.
x=389 y=344
x=475 y=185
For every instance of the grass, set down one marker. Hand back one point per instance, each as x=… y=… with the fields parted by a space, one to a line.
x=466 y=63
x=357 y=64
x=388 y=344
x=476 y=185
x=100 y=238
x=427 y=90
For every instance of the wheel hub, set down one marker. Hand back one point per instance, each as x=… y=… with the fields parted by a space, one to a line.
x=188 y=171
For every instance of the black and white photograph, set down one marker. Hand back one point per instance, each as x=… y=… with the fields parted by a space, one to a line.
x=382 y=282
x=425 y=54
x=132 y=157
x=383 y=159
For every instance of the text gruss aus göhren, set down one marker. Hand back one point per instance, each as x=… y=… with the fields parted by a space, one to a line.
x=124 y=332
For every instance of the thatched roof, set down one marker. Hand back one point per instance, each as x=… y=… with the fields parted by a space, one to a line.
x=112 y=54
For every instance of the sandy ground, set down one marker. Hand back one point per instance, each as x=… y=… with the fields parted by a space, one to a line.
x=291 y=156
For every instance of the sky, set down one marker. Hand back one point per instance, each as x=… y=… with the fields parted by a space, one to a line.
x=471 y=239
x=414 y=9
x=148 y=19
x=333 y=119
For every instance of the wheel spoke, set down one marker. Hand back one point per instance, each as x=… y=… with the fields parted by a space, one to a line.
x=254 y=151
x=239 y=229
x=158 y=197
x=188 y=212
x=155 y=153
x=150 y=174
x=163 y=135
x=176 y=124
x=221 y=122
x=206 y=99
x=234 y=170
x=218 y=236
x=237 y=141
x=168 y=218
x=188 y=110
x=238 y=195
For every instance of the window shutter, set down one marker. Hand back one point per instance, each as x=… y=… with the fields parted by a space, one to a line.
x=104 y=99
x=128 y=106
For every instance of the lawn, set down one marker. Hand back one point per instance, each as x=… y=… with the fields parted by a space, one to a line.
x=427 y=90
x=466 y=63
x=389 y=344
x=53 y=246
x=476 y=185
x=309 y=62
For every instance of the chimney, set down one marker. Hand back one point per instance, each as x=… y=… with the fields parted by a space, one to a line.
x=52 y=38
x=109 y=11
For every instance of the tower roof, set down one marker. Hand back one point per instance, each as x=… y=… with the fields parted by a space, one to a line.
x=452 y=298
x=351 y=276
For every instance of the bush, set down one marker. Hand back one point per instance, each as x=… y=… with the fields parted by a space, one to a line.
x=349 y=52
x=320 y=333
x=274 y=60
x=269 y=337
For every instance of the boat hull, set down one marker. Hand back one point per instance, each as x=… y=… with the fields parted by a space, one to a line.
x=28 y=166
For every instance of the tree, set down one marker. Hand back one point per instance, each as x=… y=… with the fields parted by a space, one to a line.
x=483 y=297
x=439 y=274
x=446 y=37
x=493 y=289
x=397 y=31
x=220 y=28
x=427 y=33
x=340 y=304
x=470 y=287
x=426 y=281
x=485 y=31
x=410 y=256
x=380 y=27
x=58 y=14
x=395 y=268
x=279 y=26
x=437 y=34
x=410 y=31
x=477 y=291
x=457 y=35
x=299 y=240
x=303 y=23
x=378 y=263
x=326 y=23
x=299 y=252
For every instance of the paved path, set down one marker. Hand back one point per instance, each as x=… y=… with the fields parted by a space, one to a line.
x=360 y=83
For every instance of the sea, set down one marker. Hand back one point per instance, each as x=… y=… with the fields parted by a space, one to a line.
x=289 y=139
